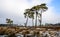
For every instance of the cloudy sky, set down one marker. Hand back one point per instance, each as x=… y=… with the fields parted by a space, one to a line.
x=14 y=10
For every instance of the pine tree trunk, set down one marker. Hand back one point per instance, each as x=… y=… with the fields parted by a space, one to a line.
x=26 y=22
x=41 y=18
x=36 y=19
x=32 y=22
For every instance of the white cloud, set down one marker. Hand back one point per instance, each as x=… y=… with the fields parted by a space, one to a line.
x=14 y=9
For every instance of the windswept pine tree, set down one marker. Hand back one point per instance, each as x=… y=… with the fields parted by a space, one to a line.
x=35 y=10
x=29 y=14
x=9 y=21
x=32 y=17
x=26 y=15
x=42 y=9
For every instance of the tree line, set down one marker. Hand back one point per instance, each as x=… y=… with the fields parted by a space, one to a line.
x=37 y=11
